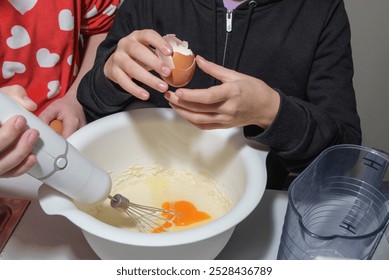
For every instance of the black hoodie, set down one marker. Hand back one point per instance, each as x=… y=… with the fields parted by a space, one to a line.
x=301 y=48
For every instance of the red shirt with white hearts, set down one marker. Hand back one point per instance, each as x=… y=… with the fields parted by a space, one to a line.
x=40 y=43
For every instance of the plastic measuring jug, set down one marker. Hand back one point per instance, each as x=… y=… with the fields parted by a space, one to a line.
x=338 y=207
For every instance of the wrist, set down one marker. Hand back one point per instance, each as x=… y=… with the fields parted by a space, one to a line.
x=270 y=109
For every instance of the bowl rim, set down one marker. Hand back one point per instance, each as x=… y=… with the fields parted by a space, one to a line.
x=55 y=203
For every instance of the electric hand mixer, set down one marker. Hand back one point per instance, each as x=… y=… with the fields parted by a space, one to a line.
x=64 y=168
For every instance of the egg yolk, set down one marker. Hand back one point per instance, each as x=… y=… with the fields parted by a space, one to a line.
x=185 y=214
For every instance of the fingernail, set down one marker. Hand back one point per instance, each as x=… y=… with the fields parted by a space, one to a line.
x=27 y=99
x=144 y=95
x=162 y=87
x=20 y=123
x=168 y=50
x=31 y=104
x=178 y=93
x=32 y=138
x=165 y=71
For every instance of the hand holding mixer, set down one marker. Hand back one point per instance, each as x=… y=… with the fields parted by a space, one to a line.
x=64 y=168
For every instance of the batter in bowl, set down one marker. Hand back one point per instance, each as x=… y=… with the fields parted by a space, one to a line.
x=160 y=186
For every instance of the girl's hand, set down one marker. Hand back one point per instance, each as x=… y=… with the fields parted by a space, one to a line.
x=68 y=110
x=240 y=100
x=133 y=59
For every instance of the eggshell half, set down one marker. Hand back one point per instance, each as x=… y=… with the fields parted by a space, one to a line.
x=57 y=126
x=182 y=62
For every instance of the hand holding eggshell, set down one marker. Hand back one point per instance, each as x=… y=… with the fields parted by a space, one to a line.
x=144 y=50
x=134 y=58
x=181 y=62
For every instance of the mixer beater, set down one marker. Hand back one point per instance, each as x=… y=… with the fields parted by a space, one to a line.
x=146 y=218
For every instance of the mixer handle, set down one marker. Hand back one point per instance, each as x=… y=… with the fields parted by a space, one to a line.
x=59 y=164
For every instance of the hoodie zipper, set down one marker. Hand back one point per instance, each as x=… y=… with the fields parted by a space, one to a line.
x=228 y=32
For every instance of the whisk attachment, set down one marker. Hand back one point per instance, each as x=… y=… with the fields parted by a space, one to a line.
x=146 y=218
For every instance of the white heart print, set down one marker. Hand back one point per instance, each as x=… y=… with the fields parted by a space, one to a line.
x=23 y=6
x=110 y=10
x=70 y=60
x=92 y=12
x=66 y=20
x=19 y=37
x=10 y=68
x=54 y=88
x=75 y=68
x=46 y=59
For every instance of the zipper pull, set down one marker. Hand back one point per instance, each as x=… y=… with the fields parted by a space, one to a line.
x=229 y=21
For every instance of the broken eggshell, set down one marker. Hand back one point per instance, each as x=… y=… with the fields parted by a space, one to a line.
x=181 y=62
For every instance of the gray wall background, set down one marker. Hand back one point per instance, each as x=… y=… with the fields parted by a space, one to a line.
x=369 y=21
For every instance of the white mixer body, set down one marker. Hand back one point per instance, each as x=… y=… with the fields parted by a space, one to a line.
x=59 y=164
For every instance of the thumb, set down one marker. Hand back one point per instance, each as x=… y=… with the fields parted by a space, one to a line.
x=19 y=94
x=27 y=103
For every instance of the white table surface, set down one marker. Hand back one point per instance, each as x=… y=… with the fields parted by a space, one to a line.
x=43 y=237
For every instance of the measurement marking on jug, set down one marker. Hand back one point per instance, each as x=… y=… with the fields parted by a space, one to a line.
x=348 y=227
x=372 y=163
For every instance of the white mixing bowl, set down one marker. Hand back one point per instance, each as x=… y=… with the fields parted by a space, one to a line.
x=158 y=136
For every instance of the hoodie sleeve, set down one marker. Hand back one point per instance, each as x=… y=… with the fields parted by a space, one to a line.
x=98 y=95
x=302 y=129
